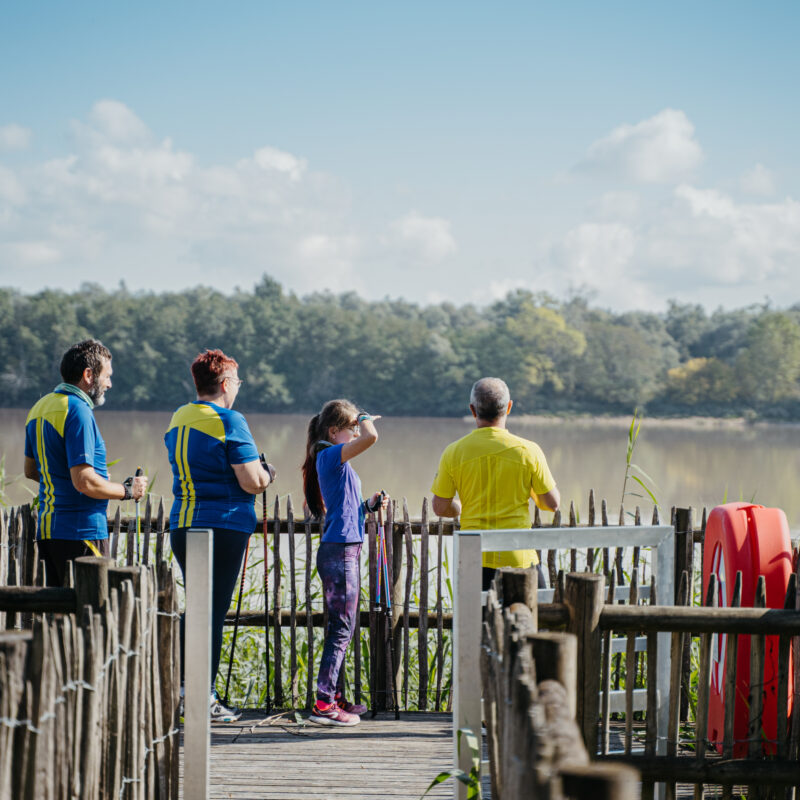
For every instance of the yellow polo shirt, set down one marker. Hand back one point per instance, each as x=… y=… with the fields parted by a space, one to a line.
x=495 y=474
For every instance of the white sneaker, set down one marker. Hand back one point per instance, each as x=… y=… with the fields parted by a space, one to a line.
x=221 y=714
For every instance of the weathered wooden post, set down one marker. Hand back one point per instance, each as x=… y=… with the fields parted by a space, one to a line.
x=584 y=598
x=600 y=782
x=684 y=562
x=197 y=679
x=91 y=582
x=555 y=656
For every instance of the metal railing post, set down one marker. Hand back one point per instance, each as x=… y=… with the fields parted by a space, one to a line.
x=197 y=660
x=466 y=647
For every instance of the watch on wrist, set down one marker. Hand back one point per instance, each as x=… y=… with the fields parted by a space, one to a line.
x=127 y=485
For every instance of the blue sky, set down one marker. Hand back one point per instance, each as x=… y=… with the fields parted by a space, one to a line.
x=432 y=151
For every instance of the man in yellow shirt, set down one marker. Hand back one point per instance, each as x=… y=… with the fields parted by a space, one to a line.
x=494 y=474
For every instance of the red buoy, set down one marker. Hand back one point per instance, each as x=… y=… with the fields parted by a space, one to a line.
x=753 y=540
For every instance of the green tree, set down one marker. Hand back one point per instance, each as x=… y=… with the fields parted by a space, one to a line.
x=768 y=367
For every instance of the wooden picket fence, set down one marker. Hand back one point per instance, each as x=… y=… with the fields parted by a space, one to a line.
x=292 y=615
x=89 y=695
x=530 y=701
x=688 y=756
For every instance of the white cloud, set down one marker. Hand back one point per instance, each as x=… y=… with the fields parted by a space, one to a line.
x=738 y=244
x=498 y=289
x=11 y=188
x=14 y=137
x=698 y=245
x=123 y=202
x=35 y=253
x=661 y=149
x=617 y=206
x=116 y=122
x=429 y=238
x=269 y=158
x=758 y=181
x=596 y=253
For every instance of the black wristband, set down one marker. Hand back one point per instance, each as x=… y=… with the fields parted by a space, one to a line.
x=127 y=485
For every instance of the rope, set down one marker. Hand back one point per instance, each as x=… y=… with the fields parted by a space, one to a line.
x=148 y=749
x=74 y=685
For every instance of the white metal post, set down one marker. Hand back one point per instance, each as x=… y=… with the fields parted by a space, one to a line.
x=466 y=647
x=197 y=661
x=468 y=547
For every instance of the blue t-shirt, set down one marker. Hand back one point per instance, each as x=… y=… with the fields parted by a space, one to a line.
x=60 y=433
x=341 y=492
x=203 y=441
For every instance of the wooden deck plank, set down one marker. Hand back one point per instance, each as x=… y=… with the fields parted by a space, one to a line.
x=381 y=757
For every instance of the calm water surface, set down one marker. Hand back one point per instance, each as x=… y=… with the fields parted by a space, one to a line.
x=690 y=465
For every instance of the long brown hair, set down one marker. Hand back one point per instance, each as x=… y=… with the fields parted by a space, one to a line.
x=334 y=414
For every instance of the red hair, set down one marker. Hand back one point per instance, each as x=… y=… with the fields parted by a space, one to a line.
x=209 y=367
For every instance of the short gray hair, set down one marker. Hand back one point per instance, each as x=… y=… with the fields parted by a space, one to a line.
x=490 y=397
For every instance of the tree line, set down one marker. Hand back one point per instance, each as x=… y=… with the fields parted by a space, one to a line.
x=405 y=359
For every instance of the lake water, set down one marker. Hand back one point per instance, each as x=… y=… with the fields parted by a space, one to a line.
x=690 y=463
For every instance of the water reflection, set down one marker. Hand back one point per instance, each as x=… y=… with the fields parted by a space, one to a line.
x=689 y=465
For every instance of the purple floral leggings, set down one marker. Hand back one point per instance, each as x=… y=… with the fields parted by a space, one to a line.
x=339 y=567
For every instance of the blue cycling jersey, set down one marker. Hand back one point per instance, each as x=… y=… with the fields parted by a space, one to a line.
x=203 y=441
x=60 y=433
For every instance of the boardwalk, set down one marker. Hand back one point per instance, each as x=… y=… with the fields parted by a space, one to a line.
x=286 y=761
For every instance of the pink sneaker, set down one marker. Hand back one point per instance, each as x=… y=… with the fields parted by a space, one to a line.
x=351 y=708
x=333 y=715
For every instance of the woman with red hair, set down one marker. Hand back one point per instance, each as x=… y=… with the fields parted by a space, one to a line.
x=217 y=472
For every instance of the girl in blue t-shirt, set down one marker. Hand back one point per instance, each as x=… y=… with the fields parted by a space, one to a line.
x=336 y=435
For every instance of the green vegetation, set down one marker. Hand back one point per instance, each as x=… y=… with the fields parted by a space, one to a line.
x=471 y=780
x=631 y=469
x=296 y=352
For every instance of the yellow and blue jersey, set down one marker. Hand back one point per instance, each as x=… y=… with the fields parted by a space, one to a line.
x=60 y=433
x=203 y=441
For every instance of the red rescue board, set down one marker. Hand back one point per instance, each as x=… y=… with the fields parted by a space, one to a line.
x=753 y=540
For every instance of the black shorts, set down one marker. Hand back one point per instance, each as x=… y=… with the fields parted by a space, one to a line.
x=56 y=552
x=488 y=575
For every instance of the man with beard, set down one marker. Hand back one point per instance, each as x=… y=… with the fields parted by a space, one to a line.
x=66 y=454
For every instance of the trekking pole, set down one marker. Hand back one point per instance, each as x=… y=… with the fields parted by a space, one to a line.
x=377 y=609
x=266 y=594
x=236 y=623
x=388 y=614
x=138 y=473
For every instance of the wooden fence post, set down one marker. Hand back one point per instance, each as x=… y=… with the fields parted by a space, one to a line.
x=555 y=656
x=584 y=598
x=684 y=561
x=91 y=583
x=600 y=782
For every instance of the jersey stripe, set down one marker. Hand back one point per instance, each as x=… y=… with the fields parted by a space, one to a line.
x=181 y=473
x=189 y=483
x=46 y=515
x=187 y=486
